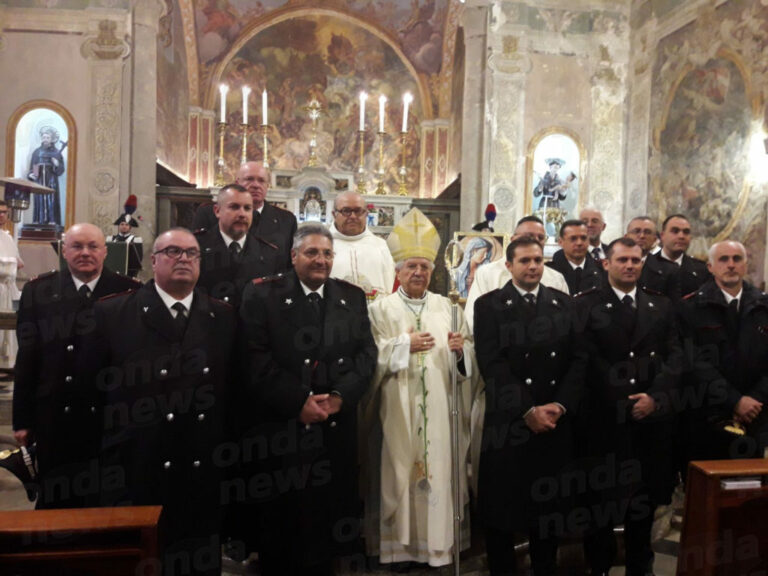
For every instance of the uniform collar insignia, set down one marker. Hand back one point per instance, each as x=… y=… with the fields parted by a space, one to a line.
x=289 y=301
x=343 y=302
x=609 y=305
x=509 y=302
x=146 y=308
x=650 y=304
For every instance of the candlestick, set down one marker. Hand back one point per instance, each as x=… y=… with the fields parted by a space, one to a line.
x=219 y=181
x=382 y=104
x=362 y=187
x=264 y=129
x=402 y=190
x=381 y=172
x=246 y=92
x=315 y=110
x=407 y=99
x=223 y=89
x=363 y=98
x=244 y=155
x=264 y=121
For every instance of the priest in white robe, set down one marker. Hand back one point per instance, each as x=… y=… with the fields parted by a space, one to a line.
x=362 y=258
x=412 y=329
x=10 y=262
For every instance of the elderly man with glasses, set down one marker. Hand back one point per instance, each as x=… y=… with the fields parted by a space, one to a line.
x=162 y=358
x=362 y=258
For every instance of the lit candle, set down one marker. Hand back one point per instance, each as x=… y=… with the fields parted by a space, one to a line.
x=407 y=99
x=223 y=89
x=382 y=104
x=264 y=121
x=246 y=92
x=363 y=98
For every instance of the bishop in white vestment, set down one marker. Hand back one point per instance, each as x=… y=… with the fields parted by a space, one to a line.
x=412 y=329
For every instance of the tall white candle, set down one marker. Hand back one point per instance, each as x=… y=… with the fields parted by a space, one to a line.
x=363 y=98
x=407 y=99
x=264 y=120
x=246 y=92
x=382 y=104
x=223 y=89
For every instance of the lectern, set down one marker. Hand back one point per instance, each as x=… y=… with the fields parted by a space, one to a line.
x=82 y=542
x=725 y=531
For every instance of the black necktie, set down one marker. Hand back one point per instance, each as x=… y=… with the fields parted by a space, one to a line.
x=84 y=291
x=314 y=301
x=596 y=254
x=530 y=298
x=629 y=302
x=181 y=319
x=733 y=318
x=256 y=219
x=234 y=252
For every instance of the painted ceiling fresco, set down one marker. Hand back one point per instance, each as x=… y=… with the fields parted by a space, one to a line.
x=330 y=60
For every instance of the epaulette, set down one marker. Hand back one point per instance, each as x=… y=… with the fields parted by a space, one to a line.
x=115 y=294
x=200 y=231
x=266 y=242
x=268 y=279
x=651 y=291
x=42 y=276
x=585 y=293
x=217 y=301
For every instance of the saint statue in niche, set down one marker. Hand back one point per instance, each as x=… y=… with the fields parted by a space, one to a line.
x=45 y=167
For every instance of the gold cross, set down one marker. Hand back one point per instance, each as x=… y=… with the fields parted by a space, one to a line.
x=416 y=225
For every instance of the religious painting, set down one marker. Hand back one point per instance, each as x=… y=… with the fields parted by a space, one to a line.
x=704 y=149
x=330 y=60
x=479 y=249
x=41 y=154
x=554 y=168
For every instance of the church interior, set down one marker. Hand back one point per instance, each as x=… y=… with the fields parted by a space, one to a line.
x=652 y=107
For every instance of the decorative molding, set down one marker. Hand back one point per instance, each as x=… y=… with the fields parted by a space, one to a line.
x=106 y=85
x=106 y=45
x=187 y=14
x=165 y=25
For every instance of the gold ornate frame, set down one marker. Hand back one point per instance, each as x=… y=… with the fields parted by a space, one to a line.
x=10 y=151
x=534 y=143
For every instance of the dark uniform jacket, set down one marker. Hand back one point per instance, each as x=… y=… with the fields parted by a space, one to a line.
x=290 y=357
x=730 y=359
x=591 y=276
x=49 y=399
x=693 y=273
x=165 y=401
x=630 y=353
x=224 y=277
x=660 y=276
x=274 y=225
x=528 y=356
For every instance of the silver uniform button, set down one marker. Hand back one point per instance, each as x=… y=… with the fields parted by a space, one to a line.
x=527 y=355
x=68 y=379
x=200 y=417
x=553 y=382
x=226 y=298
x=631 y=354
x=206 y=370
x=163 y=372
x=631 y=380
x=652 y=354
x=333 y=424
x=93 y=409
x=341 y=360
x=306 y=361
x=70 y=348
x=169 y=417
x=528 y=381
x=167 y=464
x=553 y=354
x=196 y=463
x=66 y=409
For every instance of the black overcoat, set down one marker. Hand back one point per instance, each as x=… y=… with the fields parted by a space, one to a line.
x=592 y=273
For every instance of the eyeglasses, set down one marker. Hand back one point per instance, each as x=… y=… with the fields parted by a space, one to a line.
x=347 y=212
x=313 y=253
x=175 y=252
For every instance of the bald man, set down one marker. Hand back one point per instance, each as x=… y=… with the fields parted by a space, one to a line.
x=49 y=405
x=275 y=225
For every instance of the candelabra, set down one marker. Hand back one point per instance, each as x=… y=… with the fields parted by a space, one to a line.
x=362 y=187
x=381 y=172
x=264 y=132
x=219 y=181
x=244 y=154
x=402 y=189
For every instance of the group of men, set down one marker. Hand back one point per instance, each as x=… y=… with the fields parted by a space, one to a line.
x=238 y=377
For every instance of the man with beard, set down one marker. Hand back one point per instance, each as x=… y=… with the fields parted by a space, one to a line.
x=45 y=167
x=51 y=406
x=230 y=255
x=269 y=223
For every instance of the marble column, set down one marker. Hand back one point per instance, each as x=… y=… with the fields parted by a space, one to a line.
x=474 y=136
x=146 y=15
